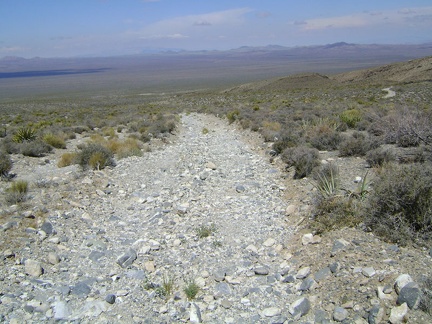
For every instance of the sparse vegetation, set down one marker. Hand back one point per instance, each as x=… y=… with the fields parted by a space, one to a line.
x=24 y=134
x=17 y=192
x=5 y=164
x=205 y=231
x=95 y=156
x=191 y=289
x=303 y=159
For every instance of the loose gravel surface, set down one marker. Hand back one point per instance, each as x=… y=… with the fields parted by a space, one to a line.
x=206 y=211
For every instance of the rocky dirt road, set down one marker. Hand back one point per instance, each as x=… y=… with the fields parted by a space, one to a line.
x=121 y=245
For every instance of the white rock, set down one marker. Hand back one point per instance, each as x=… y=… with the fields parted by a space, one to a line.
x=303 y=273
x=401 y=281
x=398 y=314
x=33 y=268
x=271 y=311
x=269 y=242
x=291 y=209
x=307 y=239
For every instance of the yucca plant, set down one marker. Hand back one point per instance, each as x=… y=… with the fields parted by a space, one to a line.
x=327 y=180
x=24 y=134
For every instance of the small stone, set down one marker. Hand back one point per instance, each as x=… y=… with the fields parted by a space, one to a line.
x=262 y=271
x=95 y=255
x=398 y=314
x=48 y=228
x=338 y=245
x=127 y=258
x=376 y=315
x=290 y=210
x=33 y=268
x=53 y=258
x=61 y=310
x=149 y=266
x=219 y=275
x=195 y=314
x=368 y=272
x=303 y=273
x=322 y=274
x=307 y=284
x=382 y=295
x=410 y=294
x=357 y=179
x=321 y=317
x=222 y=288
x=269 y=242
x=271 y=311
x=110 y=299
x=81 y=289
x=226 y=304
x=211 y=165
x=401 y=281
x=307 y=239
x=299 y=308
x=334 y=267
x=240 y=188
x=340 y=314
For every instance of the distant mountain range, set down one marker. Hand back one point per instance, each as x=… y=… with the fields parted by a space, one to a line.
x=335 y=49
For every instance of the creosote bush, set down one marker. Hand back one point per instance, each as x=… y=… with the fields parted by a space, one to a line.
x=400 y=208
x=351 y=117
x=67 y=159
x=379 y=157
x=36 y=148
x=5 y=164
x=17 y=192
x=303 y=159
x=357 y=145
x=95 y=156
x=56 y=141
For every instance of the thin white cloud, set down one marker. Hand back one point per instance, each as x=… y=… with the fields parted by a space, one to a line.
x=187 y=25
x=368 y=19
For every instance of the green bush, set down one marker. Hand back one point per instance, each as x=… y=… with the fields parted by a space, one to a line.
x=17 y=192
x=5 y=164
x=233 y=115
x=351 y=117
x=54 y=140
x=335 y=212
x=400 y=206
x=95 y=156
x=303 y=159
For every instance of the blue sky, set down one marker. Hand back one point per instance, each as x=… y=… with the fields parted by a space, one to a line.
x=65 y=28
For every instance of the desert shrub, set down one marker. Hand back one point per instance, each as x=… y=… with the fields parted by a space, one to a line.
x=350 y=117
x=56 y=141
x=80 y=129
x=410 y=128
x=17 y=192
x=129 y=147
x=67 y=159
x=380 y=156
x=426 y=300
x=233 y=115
x=303 y=159
x=335 y=212
x=285 y=141
x=325 y=138
x=9 y=146
x=35 y=148
x=400 y=205
x=24 y=134
x=95 y=156
x=5 y=164
x=357 y=145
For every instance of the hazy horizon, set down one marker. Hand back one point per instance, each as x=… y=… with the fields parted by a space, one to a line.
x=92 y=28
